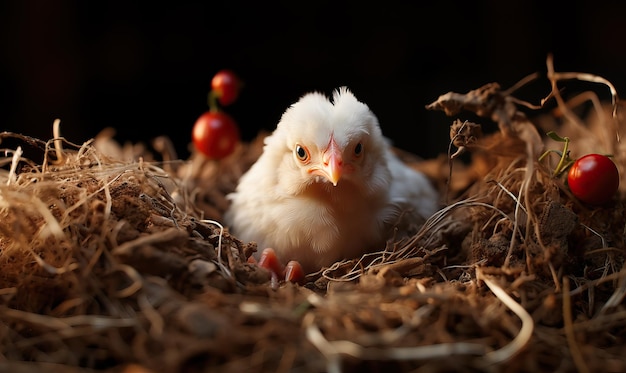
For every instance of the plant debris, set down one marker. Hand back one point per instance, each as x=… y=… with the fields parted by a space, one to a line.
x=114 y=260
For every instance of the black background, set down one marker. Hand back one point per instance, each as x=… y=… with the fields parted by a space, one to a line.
x=145 y=68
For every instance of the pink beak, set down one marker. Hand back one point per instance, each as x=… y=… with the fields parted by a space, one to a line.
x=332 y=162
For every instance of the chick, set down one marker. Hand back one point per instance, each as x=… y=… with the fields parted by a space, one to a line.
x=327 y=186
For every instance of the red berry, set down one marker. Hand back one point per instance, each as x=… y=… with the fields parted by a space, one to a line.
x=593 y=179
x=215 y=134
x=226 y=85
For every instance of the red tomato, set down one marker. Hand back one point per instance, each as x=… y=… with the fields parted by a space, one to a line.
x=226 y=85
x=215 y=134
x=593 y=179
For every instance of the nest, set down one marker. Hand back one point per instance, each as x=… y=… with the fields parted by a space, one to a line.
x=114 y=259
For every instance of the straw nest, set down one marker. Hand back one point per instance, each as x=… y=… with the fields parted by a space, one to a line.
x=113 y=258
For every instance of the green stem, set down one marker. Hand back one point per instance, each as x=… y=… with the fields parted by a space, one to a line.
x=212 y=101
x=563 y=161
x=547 y=152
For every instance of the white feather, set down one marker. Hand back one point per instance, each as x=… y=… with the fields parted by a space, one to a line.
x=280 y=204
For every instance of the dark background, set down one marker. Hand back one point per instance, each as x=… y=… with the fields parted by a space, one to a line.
x=145 y=68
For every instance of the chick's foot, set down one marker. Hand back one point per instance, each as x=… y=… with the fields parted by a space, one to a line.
x=292 y=272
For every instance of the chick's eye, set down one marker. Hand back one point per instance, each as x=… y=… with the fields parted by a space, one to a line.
x=302 y=153
x=358 y=149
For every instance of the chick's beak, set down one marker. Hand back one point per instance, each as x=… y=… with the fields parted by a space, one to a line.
x=332 y=162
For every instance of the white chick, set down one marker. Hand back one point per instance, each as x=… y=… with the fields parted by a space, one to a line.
x=327 y=186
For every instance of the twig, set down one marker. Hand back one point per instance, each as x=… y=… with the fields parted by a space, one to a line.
x=163 y=236
x=58 y=144
x=57 y=323
x=333 y=350
x=523 y=336
x=14 y=161
x=575 y=352
x=222 y=266
x=556 y=76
